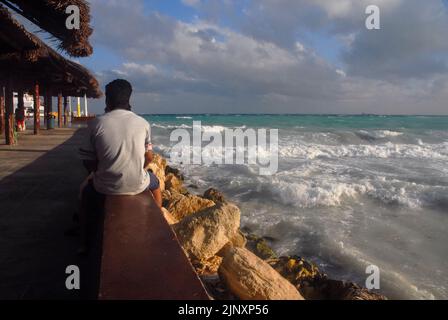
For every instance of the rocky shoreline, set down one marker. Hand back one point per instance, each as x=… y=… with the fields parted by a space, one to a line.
x=237 y=265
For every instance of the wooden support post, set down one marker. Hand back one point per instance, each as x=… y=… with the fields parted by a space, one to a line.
x=65 y=111
x=36 y=109
x=44 y=94
x=20 y=102
x=20 y=116
x=2 y=110
x=60 y=125
x=49 y=104
x=9 y=116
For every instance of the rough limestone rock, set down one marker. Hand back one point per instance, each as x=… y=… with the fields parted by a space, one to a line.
x=260 y=247
x=296 y=269
x=174 y=171
x=315 y=285
x=238 y=240
x=214 y=195
x=166 y=195
x=329 y=289
x=205 y=233
x=209 y=266
x=169 y=217
x=250 y=278
x=159 y=161
x=181 y=205
x=174 y=183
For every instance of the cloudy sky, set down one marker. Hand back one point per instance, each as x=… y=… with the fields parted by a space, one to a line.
x=274 y=56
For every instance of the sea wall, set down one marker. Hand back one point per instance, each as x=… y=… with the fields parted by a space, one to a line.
x=236 y=265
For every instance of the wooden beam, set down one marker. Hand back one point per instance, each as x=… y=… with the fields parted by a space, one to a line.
x=60 y=125
x=20 y=102
x=65 y=111
x=36 y=109
x=20 y=116
x=44 y=94
x=9 y=116
x=139 y=249
x=2 y=110
x=49 y=109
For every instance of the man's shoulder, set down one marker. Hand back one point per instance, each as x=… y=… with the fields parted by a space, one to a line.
x=140 y=119
x=93 y=123
x=110 y=119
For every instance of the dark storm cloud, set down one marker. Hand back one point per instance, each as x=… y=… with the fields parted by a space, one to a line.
x=251 y=57
x=412 y=43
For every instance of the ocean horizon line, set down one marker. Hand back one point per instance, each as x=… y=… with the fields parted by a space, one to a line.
x=295 y=114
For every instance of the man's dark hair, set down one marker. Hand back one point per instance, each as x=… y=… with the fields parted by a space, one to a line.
x=118 y=94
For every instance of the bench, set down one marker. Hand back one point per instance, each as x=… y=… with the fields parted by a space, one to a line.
x=141 y=257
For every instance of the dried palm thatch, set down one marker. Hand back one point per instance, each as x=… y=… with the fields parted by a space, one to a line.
x=25 y=59
x=50 y=16
x=16 y=41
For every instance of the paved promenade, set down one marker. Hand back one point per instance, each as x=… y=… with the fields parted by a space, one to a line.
x=39 y=181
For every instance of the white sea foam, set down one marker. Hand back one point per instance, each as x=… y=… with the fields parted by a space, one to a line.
x=387 y=133
x=328 y=191
x=219 y=128
x=182 y=126
x=204 y=128
x=375 y=134
x=382 y=193
x=213 y=128
x=386 y=150
x=308 y=194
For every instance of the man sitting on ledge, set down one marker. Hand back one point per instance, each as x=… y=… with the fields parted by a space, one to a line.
x=116 y=153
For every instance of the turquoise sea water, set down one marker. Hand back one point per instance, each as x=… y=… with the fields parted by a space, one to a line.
x=318 y=121
x=350 y=191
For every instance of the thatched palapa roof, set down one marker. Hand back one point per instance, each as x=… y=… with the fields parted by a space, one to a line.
x=50 y=16
x=25 y=59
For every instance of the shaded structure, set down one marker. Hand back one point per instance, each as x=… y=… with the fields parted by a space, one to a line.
x=25 y=59
x=50 y=15
x=27 y=64
x=39 y=179
x=139 y=255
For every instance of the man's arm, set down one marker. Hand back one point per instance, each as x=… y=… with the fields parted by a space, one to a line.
x=148 y=148
x=148 y=158
x=87 y=151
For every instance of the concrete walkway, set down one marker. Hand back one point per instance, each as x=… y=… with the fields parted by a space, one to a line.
x=39 y=181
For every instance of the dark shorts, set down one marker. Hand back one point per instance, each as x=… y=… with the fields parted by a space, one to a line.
x=154 y=182
x=91 y=197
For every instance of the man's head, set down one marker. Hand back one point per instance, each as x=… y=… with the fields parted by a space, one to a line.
x=118 y=94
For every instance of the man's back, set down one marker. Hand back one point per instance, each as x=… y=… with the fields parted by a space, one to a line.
x=119 y=140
